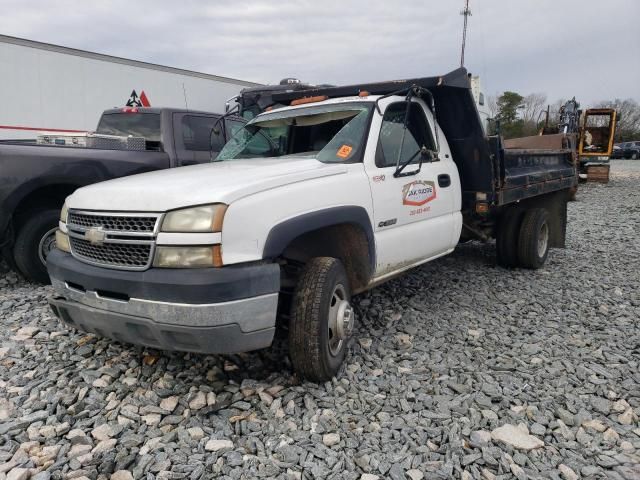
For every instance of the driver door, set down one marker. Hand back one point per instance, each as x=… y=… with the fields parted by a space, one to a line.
x=414 y=213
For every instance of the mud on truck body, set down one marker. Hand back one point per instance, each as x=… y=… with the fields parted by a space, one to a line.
x=329 y=192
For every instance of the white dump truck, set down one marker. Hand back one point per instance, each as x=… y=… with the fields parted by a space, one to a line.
x=307 y=205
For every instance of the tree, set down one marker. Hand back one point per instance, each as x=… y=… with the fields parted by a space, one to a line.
x=628 y=122
x=509 y=104
x=532 y=106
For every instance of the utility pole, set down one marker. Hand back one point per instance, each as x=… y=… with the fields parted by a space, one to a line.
x=467 y=13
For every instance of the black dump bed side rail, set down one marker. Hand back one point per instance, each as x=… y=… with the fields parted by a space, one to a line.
x=530 y=173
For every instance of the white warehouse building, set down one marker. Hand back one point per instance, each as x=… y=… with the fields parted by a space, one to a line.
x=46 y=87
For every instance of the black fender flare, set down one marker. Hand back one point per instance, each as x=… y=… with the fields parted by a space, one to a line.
x=282 y=234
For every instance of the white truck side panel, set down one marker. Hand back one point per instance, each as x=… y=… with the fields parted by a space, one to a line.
x=247 y=222
x=46 y=89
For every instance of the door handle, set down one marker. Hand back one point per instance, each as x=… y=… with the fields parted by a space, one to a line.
x=444 y=180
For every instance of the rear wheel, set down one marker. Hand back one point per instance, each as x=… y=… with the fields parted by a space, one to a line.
x=534 y=239
x=35 y=239
x=634 y=156
x=507 y=238
x=321 y=320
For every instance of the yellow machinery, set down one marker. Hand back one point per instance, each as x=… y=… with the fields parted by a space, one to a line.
x=596 y=144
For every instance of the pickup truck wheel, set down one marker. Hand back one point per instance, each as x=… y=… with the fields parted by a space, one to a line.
x=35 y=239
x=533 y=244
x=507 y=238
x=321 y=321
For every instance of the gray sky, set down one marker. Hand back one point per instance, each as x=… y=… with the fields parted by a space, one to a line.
x=586 y=48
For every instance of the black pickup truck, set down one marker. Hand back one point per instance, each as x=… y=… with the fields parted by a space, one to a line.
x=35 y=179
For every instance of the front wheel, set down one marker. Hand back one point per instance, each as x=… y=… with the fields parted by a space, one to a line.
x=35 y=239
x=322 y=319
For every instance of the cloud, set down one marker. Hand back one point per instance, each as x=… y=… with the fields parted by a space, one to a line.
x=565 y=48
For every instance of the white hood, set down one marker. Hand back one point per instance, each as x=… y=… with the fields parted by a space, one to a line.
x=219 y=182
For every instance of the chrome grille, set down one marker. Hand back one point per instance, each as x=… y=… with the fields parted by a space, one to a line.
x=124 y=255
x=115 y=240
x=114 y=223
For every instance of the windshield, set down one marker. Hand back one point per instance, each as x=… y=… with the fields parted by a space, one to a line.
x=145 y=125
x=329 y=133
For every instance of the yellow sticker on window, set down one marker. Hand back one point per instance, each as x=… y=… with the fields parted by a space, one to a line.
x=344 y=151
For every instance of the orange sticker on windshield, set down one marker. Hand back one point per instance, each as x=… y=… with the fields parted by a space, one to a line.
x=344 y=151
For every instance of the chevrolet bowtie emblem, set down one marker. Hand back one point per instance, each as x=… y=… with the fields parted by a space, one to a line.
x=95 y=235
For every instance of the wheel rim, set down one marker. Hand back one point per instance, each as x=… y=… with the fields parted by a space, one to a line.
x=47 y=243
x=543 y=240
x=340 y=320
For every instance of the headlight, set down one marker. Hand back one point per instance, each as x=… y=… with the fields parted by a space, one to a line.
x=62 y=241
x=188 y=257
x=64 y=212
x=207 y=218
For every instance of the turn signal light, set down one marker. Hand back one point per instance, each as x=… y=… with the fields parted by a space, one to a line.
x=302 y=101
x=62 y=242
x=217 y=256
x=482 y=207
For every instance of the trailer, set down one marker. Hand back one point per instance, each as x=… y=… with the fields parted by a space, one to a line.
x=56 y=89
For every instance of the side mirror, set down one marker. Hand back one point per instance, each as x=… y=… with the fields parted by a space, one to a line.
x=214 y=141
x=428 y=155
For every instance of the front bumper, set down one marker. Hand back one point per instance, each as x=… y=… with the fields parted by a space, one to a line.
x=225 y=310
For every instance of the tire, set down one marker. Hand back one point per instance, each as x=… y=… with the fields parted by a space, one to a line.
x=507 y=238
x=634 y=156
x=33 y=242
x=534 y=239
x=317 y=344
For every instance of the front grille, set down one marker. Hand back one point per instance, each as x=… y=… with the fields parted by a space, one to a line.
x=117 y=240
x=115 y=223
x=123 y=255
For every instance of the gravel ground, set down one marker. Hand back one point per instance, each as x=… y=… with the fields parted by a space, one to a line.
x=461 y=370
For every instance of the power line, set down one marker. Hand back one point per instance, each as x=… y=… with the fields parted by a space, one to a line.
x=466 y=12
